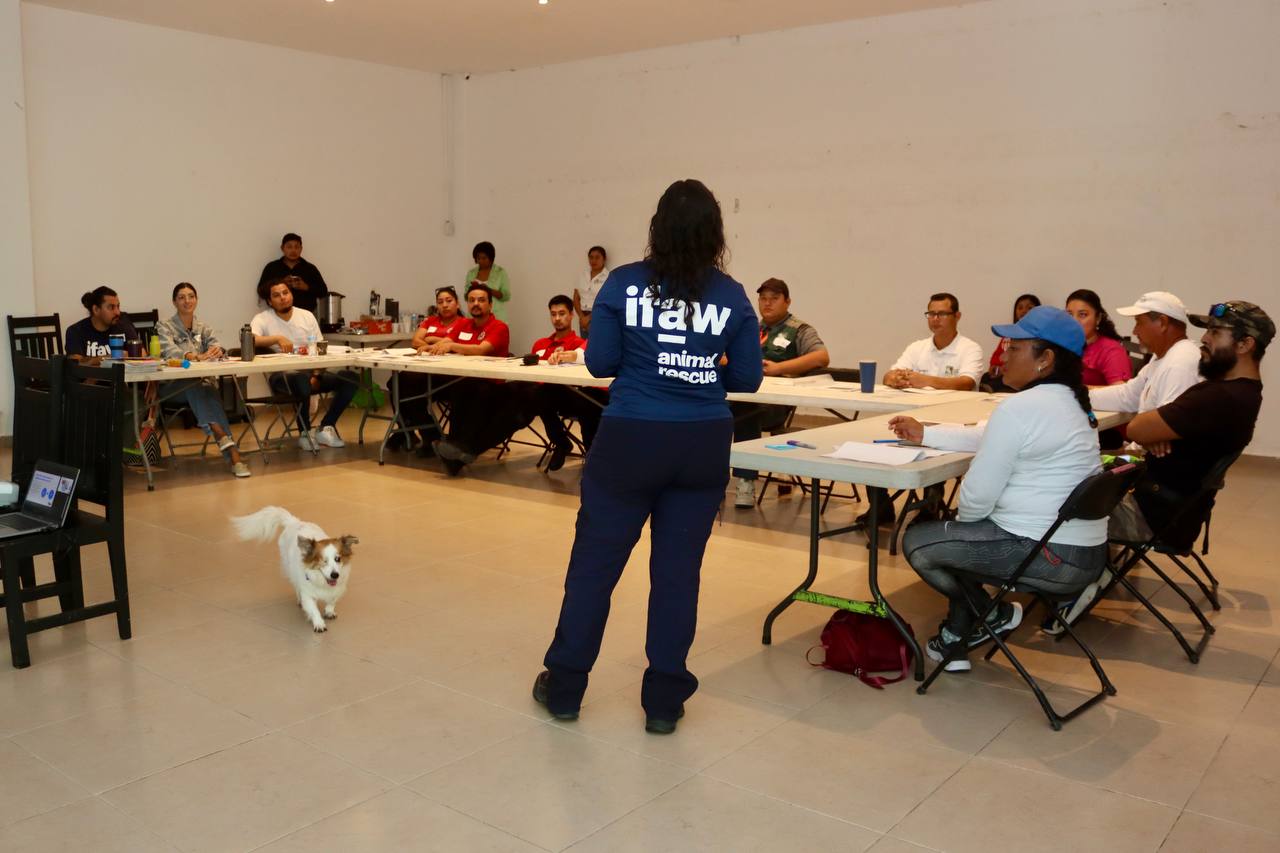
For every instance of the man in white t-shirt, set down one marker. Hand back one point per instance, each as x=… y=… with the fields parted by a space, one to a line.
x=285 y=328
x=1160 y=325
x=945 y=360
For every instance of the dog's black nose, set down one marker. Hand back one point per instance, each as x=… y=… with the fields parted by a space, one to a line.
x=334 y=576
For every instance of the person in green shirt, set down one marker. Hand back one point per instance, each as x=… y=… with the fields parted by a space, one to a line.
x=788 y=347
x=492 y=276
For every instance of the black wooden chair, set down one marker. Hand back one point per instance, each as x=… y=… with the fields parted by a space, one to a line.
x=145 y=322
x=1094 y=498
x=35 y=337
x=83 y=413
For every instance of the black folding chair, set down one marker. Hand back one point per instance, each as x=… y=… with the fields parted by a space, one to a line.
x=1133 y=553
x=35 y=337
x=1093 y=499
x=146 y=323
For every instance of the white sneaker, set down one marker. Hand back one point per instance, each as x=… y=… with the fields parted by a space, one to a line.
x=328 y=436
x=241 y=470
x=307 y=441
x=745 y=497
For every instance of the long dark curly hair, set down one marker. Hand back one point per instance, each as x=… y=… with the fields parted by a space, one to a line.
x=686 y=242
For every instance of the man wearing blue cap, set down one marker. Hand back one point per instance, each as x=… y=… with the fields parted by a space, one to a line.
x=1036 y=448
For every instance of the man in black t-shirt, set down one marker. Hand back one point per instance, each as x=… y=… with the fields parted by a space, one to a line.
x=90 y=339
x=1187 y=437
x=303 y=277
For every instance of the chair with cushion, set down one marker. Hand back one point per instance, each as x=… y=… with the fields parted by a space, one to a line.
x=35 y=337
x=84 y=415
x=1093 y=499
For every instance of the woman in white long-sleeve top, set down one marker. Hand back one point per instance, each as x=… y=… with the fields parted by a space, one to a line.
x=1036 y=448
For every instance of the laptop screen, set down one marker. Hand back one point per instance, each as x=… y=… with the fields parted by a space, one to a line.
x=49 y=495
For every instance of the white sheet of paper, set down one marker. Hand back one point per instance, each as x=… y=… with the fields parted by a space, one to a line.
x=880 y=454
x=399 y=350
x=925 y=390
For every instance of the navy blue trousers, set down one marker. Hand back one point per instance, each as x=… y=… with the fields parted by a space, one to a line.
x=672 y=475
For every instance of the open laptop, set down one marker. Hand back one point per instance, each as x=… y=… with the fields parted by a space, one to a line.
x=48 y=499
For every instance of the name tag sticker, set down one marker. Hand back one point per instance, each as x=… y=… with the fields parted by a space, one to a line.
x=464 y=336
x=781 y=341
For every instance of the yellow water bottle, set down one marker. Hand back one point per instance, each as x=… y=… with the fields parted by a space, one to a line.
x=153 y=346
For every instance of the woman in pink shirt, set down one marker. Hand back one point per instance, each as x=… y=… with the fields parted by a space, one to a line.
x=1106 y=361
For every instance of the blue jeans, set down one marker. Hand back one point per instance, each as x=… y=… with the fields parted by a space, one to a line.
x=204 y=404
x=342 y=386
x=937 y=549
x=671 y=475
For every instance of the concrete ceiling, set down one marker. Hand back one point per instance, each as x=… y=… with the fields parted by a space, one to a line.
x=485 y=35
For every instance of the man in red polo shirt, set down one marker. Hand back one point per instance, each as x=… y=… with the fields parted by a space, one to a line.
x=479 y=334
x=486 y=412
x=561 y=401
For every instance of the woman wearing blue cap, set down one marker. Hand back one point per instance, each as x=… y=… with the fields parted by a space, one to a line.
x=1036 y=448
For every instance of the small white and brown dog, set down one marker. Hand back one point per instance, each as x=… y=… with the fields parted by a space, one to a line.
x=318 y=566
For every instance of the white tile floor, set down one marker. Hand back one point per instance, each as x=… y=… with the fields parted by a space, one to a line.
x=225 y=724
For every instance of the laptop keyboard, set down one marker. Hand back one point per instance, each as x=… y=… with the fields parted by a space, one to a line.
x=19 y=522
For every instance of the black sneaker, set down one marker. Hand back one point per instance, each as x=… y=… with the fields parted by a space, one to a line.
x=540 y=696
x=1007 y=617
x=937 y=649
x=558 y=454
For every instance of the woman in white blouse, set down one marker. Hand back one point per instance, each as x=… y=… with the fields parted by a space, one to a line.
x=1036 y=448
x=589 y=284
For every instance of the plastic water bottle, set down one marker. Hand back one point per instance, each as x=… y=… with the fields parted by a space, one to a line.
x=311 y=345
x=154 y=346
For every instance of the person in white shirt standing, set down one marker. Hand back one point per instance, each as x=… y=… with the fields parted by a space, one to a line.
x=945 y=360
x=284 y=328
x=1037 y=447
x=593 y=278
x=1160 y=325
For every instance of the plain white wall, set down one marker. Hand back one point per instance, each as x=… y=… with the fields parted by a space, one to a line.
x=17 y=294
x=159 y=156
x=988 y=150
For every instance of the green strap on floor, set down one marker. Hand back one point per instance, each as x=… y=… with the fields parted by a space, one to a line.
x=871 y=608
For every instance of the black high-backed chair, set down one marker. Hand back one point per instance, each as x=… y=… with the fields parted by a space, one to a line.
x=35 y=337
x=1093 y=499
x=83 y=412
x=145 y=322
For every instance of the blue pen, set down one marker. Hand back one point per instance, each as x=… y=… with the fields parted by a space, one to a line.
x=886 y=441
x=794 y=443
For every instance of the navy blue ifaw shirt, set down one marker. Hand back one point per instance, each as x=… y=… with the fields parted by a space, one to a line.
x=666 y=363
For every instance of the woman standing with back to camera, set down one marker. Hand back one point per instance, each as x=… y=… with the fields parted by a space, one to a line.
x=662 y=454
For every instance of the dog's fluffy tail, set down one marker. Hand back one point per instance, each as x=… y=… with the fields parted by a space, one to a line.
x=263 y=525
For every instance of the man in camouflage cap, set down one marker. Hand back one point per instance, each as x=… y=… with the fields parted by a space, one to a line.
x=1186 y=438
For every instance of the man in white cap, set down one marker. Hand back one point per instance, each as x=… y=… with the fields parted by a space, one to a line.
x=1160 y=325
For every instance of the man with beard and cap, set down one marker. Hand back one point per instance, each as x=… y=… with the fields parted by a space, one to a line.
x=1187 y=437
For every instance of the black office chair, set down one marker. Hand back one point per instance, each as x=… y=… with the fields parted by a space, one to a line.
x=35 y=337
x=1198 y=505
x=83 y=415
x=1093 y=499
